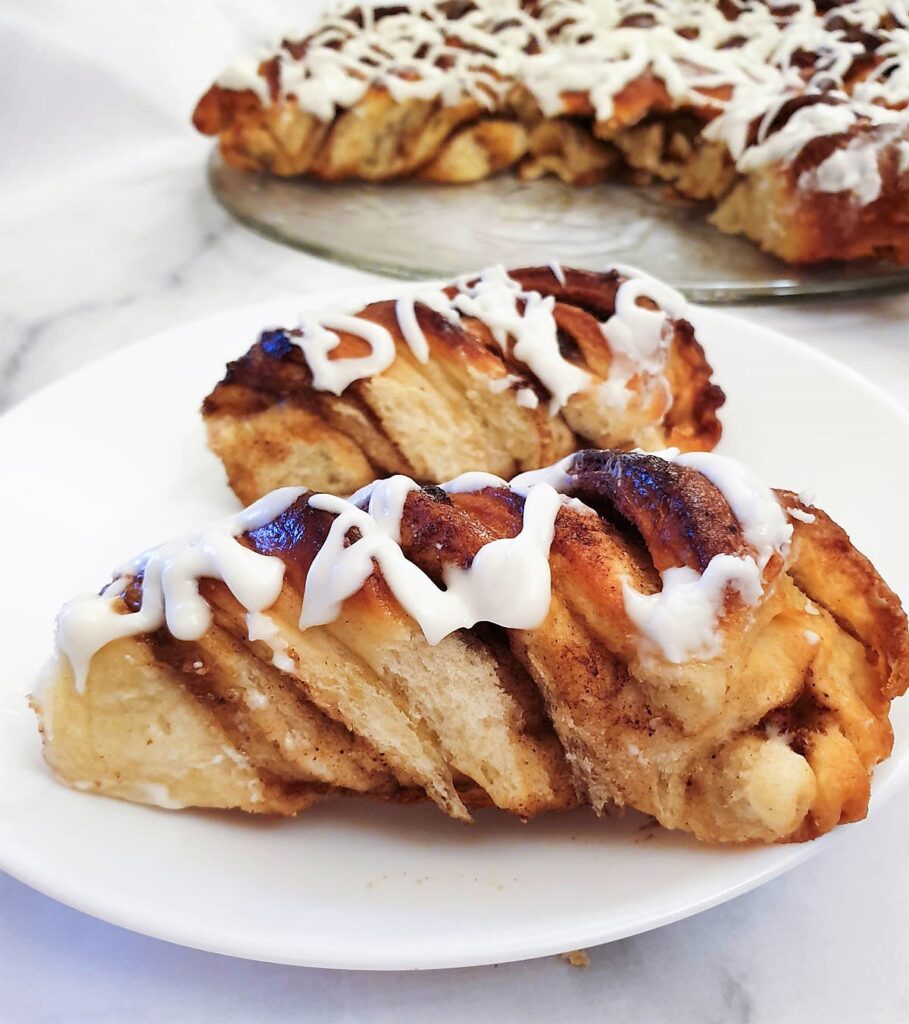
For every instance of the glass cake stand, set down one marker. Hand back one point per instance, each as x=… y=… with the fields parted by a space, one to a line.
x=416 y=230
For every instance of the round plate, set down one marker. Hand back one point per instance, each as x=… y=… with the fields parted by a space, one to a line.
x=416 y=230
x=112 y=459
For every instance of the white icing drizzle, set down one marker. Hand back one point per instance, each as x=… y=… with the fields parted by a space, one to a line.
x=468 y=483
x=755 y=506
x=524 y=327
x=407 y=318
x=499 y=384
x=507 y=582
x=384 y=500
x=803 y=517
x=680 y=620
x=319 y=339
x=786 y=143
x=527 y=398
x=636 y=330
x=854 y=170
x=557 y=475
x=496 y=299
x=740 y=69
x=413 y=334
x=244 y=74
x=170 y=585
x=639 y=336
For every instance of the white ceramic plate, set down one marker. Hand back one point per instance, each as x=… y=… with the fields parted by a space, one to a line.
x=113 y=459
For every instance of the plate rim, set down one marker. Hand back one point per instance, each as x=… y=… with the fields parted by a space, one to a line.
x=14 y=861
x=189 y=937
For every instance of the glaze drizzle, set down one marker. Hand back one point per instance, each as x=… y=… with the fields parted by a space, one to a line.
x=523 y=325
x=773 y=76
x=508 y=582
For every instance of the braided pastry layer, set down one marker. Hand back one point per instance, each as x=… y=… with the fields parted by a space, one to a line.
x=164 y=693
x=518 y=370
x=789 y=119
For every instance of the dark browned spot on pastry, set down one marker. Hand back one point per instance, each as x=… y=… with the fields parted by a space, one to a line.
x=589 y=290
x=682 y=516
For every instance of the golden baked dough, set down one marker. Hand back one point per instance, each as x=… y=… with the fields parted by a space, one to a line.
x=768 y=733
x=474 y=403
x=790 y=119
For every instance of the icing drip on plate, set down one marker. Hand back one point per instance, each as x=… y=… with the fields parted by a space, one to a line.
x=508 y=582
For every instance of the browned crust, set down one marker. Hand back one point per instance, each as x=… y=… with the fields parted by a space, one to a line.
x=795 y=714
x=379 y=139
x=810 y=226
x=376 y=139
x=682 y=517
x=266 y=401
x=838 y=577
x=218 y=108
x=692 y=420
x=838 y=724
x=841 y=725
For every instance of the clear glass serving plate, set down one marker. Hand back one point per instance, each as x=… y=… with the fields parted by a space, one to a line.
x=418 y=230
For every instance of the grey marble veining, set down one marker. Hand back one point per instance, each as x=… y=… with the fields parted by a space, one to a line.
x=124 y=259
x=108 y=235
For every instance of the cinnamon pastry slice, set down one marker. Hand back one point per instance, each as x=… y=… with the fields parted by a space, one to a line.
x=787 y=120
x=619 y=629
x=502 y=372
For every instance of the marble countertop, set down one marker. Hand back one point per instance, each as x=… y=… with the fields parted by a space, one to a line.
x=109 y=235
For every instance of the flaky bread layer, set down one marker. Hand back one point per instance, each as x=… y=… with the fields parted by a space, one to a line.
x=137 y=734
x=455 y=413
x=773 y=739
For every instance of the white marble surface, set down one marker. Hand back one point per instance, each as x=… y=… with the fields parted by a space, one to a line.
x=108 y=235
